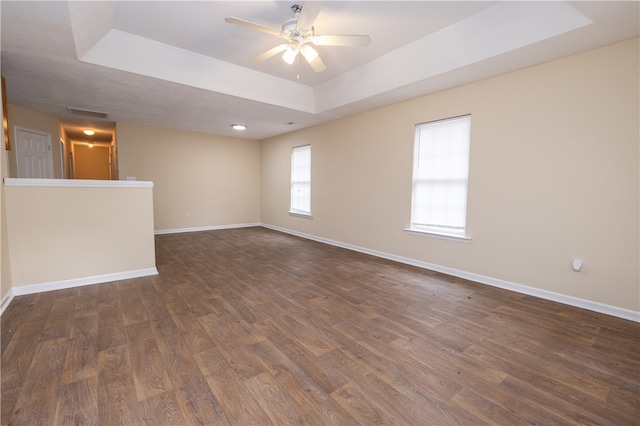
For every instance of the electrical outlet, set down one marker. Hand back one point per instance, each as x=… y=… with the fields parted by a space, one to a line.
x=577 y=264
x=396 y=234
x=187 y=214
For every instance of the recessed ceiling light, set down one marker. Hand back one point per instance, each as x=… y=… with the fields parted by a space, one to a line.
x=239 y=126
x=89 y=132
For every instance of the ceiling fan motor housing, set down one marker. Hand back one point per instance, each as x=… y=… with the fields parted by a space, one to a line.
x=290 y=27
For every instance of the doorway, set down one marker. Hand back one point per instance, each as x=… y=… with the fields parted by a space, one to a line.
x=92 y=161
x=33 y=153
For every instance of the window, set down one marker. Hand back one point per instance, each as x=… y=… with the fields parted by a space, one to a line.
x=440 y=176
x=301 y=180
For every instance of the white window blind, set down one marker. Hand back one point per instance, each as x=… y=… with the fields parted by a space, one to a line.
x=440 y=176
x=301 y=180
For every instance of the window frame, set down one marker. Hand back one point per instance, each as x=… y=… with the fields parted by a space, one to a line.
x=440 y=230
x=295 y=208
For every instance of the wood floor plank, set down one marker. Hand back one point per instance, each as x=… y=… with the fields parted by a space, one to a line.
x=237 y=321
x=489 y=412
x=235 y=399
x=37 y=402
x=244 y=363
x=59 y=321
x=162 y=409
x=191 y=296
x=253 y=326
x=277 y=403
x=16 y=362
x=87 y=302
x=132 y=308
x=388 y=398
x=149 y=375
x=14 y=316
x=8 y=403
x=194 y=335
x=78 y=403
x=526 y=367
x=299 y=377
x=428 y=387
x=112 y=332
x=193 y=395
x=81 y=361
x=563 y=402
x=322 y=372
x=152 y=301
x=355 y=401
x=117 y=402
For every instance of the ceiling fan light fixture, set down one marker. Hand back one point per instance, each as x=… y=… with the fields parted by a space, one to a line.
x=290 y=54
x=309 y=52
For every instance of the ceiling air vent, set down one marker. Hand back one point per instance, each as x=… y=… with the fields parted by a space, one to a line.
x=87 y=113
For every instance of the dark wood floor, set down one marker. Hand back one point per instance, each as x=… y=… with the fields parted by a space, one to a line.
x=251 y=327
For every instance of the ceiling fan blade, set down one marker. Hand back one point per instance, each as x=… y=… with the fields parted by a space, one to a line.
x=310 y=11
x=317 y=64
x=252 y=25
x=341 y=40
x=311 y=55
x=269 y=53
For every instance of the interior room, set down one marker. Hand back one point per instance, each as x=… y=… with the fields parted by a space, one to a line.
x=356 y=212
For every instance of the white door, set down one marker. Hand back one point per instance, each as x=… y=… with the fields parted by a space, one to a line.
x=33 y=151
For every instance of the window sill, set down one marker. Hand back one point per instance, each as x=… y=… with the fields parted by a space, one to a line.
x=299 y=214
x=451 y=237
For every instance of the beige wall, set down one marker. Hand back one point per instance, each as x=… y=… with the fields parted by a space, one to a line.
x=215 y=179
x=553 y=175
x=34 y=120
x=67 y=233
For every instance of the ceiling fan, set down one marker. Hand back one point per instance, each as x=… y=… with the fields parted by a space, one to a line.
x=299 y=35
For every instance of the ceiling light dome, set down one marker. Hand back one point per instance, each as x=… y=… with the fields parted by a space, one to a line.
x=239 y=126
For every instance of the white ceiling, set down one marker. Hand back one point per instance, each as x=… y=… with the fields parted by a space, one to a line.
x=178 y=64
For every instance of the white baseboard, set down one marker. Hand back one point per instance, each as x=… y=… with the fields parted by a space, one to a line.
x=205 y=228
x=6 y=300
x=78 y=282
x=495 y=282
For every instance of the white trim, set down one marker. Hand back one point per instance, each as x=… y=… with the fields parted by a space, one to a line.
x=300 y=214
x=205 y=228
x=459 y=238
x=494 y=282
x=78 y=282
x=6 y=301
x=84 y=183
